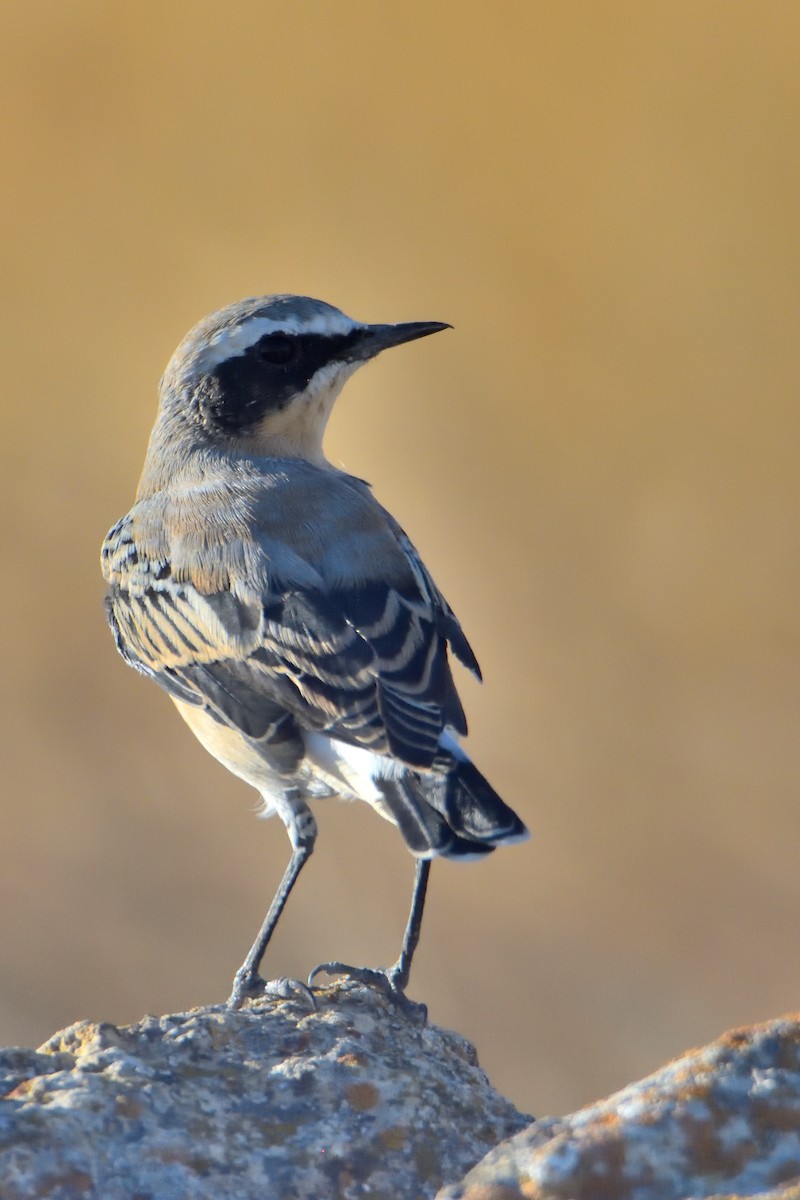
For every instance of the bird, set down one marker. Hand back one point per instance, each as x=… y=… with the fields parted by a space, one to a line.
x=285 y=611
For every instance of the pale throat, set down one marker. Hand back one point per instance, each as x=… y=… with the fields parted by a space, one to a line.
x=297 y=431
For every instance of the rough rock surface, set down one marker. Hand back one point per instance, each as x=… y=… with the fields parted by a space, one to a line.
x=355 y=1100
x=274 y=1101
x=719 y=1122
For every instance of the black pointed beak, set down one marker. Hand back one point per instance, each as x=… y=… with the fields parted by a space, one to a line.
x=374 y=338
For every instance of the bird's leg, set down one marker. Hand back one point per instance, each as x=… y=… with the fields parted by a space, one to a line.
x=394 y=980
x=399 y=973
x=247 y=982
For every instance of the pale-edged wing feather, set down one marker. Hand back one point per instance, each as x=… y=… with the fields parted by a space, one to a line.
x=362 y=656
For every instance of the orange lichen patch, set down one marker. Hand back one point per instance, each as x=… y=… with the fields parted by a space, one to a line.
x=71 y=1183
x=427 y=1161
x=128 y=1106
x=494 y=1191
x=182 y=1156
x=394 y=1138
x=73 y=1040
x=219 y=1035
x=682 y=1088
x=296 y=1042
x=790 y=1192
x=277 y=1132
x=23 y=1090
x=697 y=1089
x=680 y=1081
x=170 y=1154
x=362 y=1096
x=603 y=1175
x=85 y=1037
x=788 y=1055
x=767 y=1115
x=607 y=1120
x=735 y=1039
x=350 y=1059
x=786 y=1173
x=707 y=1153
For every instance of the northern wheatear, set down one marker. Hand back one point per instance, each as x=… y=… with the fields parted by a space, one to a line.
x=285 y=611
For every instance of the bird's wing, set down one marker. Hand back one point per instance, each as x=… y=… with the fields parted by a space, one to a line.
x=299 y=596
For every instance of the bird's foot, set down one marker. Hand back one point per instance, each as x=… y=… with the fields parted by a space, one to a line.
x=391 y=983
x=248 y=985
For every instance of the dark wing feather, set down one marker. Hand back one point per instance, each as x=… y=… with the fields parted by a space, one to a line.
x=364 y=662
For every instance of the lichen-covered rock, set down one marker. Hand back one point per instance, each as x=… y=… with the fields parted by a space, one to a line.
x=720 y=1122
x=274 y=1101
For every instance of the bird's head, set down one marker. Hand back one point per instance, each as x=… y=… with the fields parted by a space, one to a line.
x=261 y=376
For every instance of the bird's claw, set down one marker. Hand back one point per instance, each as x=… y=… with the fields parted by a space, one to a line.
x=389 y=982
x=284 y=988
x=250 y=986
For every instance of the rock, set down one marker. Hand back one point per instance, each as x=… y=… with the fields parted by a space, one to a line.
x=357 y=1099
x=719 y=1122
x=274 y=1101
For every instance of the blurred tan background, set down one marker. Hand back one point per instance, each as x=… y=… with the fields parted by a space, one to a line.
x=600 y=465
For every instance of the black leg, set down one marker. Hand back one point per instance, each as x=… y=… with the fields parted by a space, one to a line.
x=247 y=981
x=398 y=974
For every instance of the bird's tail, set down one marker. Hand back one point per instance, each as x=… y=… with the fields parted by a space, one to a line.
x=454 y=811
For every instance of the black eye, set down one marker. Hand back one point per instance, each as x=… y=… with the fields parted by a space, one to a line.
x=276 y=349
